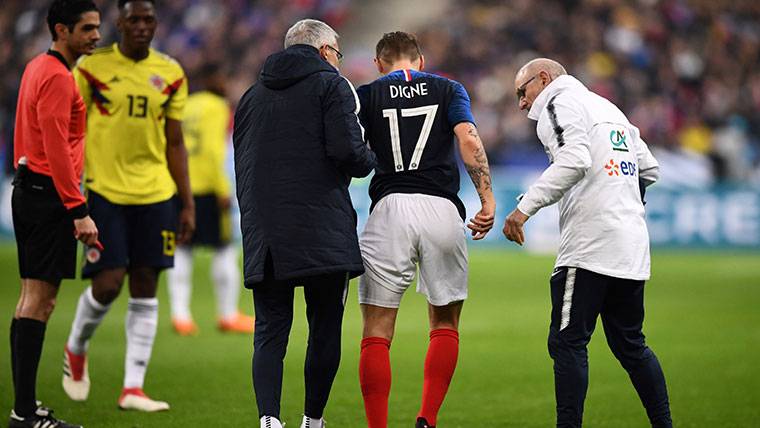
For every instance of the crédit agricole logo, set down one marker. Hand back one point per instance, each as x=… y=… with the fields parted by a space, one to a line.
x=617 y=138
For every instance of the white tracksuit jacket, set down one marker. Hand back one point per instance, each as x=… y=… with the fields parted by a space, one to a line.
x=597 y=158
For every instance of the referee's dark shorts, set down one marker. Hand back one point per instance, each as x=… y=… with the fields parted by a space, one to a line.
x=579 y=297
x=47 y=249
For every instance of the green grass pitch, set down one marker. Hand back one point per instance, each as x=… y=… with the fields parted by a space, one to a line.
x=703 y=321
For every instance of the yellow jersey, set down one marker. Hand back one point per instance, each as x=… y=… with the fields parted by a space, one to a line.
x=206 y=128
x=127 y=105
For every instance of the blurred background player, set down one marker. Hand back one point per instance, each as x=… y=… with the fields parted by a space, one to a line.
x=206 y=130
x=416 y=219
x=135 y=163
x=47 y=201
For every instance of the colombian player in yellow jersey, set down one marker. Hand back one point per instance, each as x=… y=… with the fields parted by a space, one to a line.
x=135 y=164
x=206 y=129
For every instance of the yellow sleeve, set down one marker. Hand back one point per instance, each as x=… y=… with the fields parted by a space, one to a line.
x=175 y=109
x=84 y=86
x=220 y=129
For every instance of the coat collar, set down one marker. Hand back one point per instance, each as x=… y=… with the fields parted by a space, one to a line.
x=555 y=87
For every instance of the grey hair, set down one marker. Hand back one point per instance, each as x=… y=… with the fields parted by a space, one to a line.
x=310 y=32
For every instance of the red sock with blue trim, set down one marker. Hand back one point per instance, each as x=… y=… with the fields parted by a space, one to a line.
x=440 y=362
x=375 y=379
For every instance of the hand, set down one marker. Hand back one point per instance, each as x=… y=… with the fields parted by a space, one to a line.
x=513 y=226
x=86 y=231
x=186 y=225
x=482 y=222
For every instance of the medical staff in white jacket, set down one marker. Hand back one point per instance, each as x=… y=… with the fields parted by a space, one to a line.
x=599 y=169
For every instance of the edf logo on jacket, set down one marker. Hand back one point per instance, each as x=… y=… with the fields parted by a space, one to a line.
x=598 y=158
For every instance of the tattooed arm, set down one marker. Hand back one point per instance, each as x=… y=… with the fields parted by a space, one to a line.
x=476 y=162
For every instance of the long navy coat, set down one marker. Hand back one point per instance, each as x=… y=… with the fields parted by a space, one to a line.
x=298 y=142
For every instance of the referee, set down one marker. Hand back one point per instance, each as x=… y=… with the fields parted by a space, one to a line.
x=49 y=210
x=599 y=168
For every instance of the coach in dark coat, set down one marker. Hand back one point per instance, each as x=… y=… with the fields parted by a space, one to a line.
x=297 y=143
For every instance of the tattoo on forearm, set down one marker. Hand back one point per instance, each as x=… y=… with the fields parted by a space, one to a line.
x=473 y=132
x=479 y=171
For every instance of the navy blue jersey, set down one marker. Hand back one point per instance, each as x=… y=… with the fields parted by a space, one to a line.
x=409 y=118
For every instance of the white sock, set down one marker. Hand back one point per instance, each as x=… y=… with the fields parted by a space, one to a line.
x=312 y=423
x=180 y=283
x=141 y=325
x=89 y=315
x=226 y=275
x=270 y=422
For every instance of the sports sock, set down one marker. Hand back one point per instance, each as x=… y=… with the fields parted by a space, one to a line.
x=89 y=315
x=180 y=284
x=375 y=379
x=30 y=334
x=13 y=350
x=226 y=275
x=440 y=362
x=141 y=325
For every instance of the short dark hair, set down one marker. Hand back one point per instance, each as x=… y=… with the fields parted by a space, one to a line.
x=123 y=3
x=398 y=44
x=68 y=13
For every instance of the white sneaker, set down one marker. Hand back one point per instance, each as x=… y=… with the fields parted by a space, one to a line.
x=135 y=399
x=270 y=422
x=76 y=378
x=312 y=423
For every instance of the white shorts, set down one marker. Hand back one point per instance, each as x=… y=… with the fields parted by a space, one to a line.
x=406 y=230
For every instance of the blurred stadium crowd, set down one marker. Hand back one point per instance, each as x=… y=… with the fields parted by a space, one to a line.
x=238 y=34
x=687 y=73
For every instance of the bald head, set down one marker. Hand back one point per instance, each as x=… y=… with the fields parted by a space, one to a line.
x=535 y=66
x=533 y=77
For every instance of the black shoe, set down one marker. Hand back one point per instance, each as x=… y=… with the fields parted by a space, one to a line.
x=43 y=418
x=423 y=423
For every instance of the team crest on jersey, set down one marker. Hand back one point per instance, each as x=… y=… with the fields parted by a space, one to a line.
x=93 y=255
x=157 y=82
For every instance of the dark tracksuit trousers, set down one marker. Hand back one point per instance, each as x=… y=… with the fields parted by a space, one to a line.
x=578 y=297
x=325 y=297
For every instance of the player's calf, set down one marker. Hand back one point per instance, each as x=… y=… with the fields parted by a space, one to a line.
x=107 y=284
x=440 y=363
x=375 y=379
x=38 y=301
